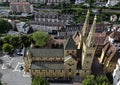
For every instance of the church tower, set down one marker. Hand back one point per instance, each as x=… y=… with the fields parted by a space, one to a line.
x=88 y=50
x=84 y=31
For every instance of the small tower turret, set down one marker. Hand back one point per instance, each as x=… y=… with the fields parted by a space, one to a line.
x=88 y=50
x=84 y=31
x=91 y=36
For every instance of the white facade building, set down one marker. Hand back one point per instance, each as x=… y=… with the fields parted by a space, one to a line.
x=112 y=2
x=79 y=1
x=116 y=74
x=22 y=27
x=3 y=1
x=24 y=7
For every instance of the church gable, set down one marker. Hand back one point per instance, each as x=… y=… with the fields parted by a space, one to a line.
x=70 y=44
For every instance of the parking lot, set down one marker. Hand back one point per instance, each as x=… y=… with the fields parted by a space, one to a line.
x=11 y=72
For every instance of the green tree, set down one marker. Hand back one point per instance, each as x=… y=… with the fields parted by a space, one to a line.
x=5 y=26
x=102 y=80
x=25 y=40
x=6 y=39
x=40 y=38
x=14 y=41
x=7 y=47
x=98 y=80
x=1 y=42
x=89 y=80
x=39 y=81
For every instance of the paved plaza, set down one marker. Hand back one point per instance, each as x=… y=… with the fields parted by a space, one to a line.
x=10 y=72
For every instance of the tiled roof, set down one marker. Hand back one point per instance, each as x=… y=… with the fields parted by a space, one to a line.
x=47 y=65
x=20 y=3
x=114 y=35
x=43 y=23
x=76 y=37
x=53 y=15
x=46 y=52
x=111 y=52
x=70 y=44
x=113 y=57
x=106 y=47
x=99 y=40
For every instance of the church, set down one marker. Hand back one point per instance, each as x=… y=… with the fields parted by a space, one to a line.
x=75 y=58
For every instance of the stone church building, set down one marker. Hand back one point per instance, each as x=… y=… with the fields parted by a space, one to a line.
x=75 y=58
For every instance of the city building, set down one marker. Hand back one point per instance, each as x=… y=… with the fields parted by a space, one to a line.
x=46 y=26
x=68 y=30
x=1 y=1
x=66 y=62
x=24 y=7
x=53 y=17
x=16 y=0
x=110 y=51
x=24 y=27
x=48 y=1
x=112 y=2
x=116 y=74
x=50 y=21
x=79 y=1
x=37 y=1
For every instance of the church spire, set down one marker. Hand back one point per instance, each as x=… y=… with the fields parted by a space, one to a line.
x=84 y=31
x=90 y=38
x=86 y=23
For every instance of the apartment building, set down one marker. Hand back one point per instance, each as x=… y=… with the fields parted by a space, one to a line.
x=24 y=7
x=49 y=21
x=48 y=1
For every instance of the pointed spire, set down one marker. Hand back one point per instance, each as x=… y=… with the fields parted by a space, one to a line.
x=86 y=23
x=90 y=38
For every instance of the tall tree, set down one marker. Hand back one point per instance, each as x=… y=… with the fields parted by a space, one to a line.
x=25 y=40
x=7 y=48
x=40 y=38
x=39 y=81
x=89 y=80
x=102 y=80
x=5 y=26
x=98 y=80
